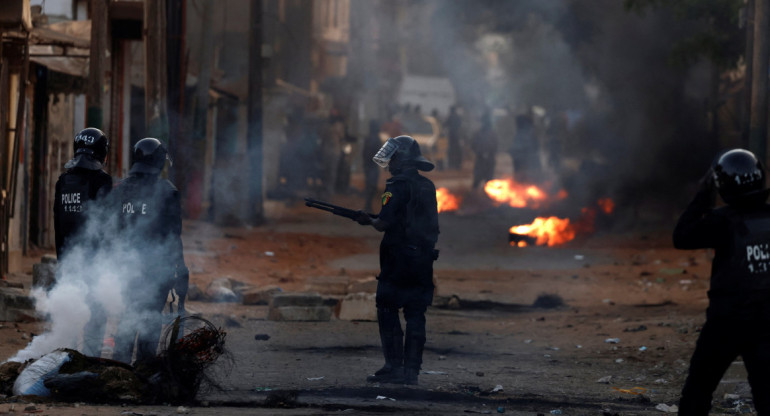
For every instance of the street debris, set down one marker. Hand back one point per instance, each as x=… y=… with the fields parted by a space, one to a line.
x=636 y=329
x=548 y=301
x=315 y=378
x=604 y=380
x=173 y=376
x=261 y=337
x=433 y=372
x=385 y=398
x=636 y=391
x=666 y=408
x=612 y=340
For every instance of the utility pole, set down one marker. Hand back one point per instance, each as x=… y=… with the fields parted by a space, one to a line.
x=97 y=64
x=758 y=127
x=254 y=111
x=200 y=110
x=175 y=27
x=749 y=62
x=155 y=75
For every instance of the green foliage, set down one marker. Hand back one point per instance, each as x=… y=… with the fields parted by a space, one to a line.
x=717 y=36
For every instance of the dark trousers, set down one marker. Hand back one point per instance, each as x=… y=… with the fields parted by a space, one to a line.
x=141 y=322
x=719 y=343
x=414 y=301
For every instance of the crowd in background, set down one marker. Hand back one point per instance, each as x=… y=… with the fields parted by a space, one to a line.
x=320 y=151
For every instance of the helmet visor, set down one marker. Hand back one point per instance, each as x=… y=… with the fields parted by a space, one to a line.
x=385 y=153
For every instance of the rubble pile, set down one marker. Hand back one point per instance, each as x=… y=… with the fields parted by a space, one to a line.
x=174 y=376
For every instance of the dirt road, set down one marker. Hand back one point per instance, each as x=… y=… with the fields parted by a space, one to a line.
x=619 y=344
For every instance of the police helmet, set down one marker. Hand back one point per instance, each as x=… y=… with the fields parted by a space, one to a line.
x=403 y=150
x=740 y=177
x=90 y=147
x=149 y=156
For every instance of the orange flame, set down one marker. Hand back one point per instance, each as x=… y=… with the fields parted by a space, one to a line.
x=515 y=194
x=607 y=205
x=446 y=201
x=549 y=231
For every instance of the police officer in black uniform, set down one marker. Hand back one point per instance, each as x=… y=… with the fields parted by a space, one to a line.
x=82 y=184
x=409 y=218
x=738 y=315
x=150 y=212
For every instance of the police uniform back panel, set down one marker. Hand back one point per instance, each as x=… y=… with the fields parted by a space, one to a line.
x=742 y=253
x=74 y=190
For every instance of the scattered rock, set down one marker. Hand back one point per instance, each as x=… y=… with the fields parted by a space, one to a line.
x=605 y=380
x=259 y=295
x=358 y=307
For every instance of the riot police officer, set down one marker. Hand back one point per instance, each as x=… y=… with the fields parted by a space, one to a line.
x=150 y=217
x=409 y=220
x=82 y=184
x=738 y=315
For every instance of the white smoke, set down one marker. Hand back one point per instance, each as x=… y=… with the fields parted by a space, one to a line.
x=99 y=264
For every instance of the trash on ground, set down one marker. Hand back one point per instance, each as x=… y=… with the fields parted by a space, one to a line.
x=604 y=380
x=269 y=254
x=612 y=340
x=579 y=257
x=261 y=337
x=666 y=408
x=173 y=376
x=385 y=398
x=642 y=348
x=636 y=329
x=434 y=372
x=316 y=378
x=556 y=411
x=633 y=390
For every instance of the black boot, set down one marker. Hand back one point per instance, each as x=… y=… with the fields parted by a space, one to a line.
x=393 y=350
x=412 y=358
x=410 y=375
x=394 y=376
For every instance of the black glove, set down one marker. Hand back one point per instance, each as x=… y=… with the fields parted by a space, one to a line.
x=363 y=218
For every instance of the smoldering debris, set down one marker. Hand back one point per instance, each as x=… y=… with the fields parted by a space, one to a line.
x=175 y=375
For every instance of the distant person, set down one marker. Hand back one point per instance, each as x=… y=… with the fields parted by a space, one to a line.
x=738 y=315
x=372 y=144
x=455 y=151
x=151 y=219
x=83 y=183
x=393 y=127
x=409 y=219
x=332 y=138
x=525 y=149
x=484 y=145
